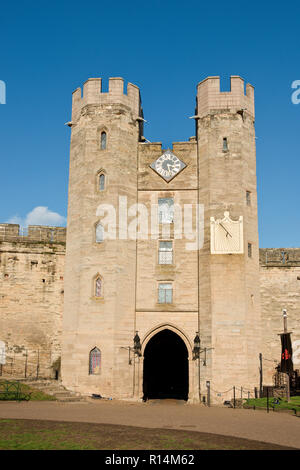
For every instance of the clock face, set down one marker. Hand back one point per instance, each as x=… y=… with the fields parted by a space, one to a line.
x=168 y=165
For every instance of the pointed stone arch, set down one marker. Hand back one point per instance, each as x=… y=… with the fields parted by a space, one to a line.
x=98 y=184
x=98 y=232
x=97 y=277
x=166 y=364
x=95 y=361
x=102 y=144
x=171 y=327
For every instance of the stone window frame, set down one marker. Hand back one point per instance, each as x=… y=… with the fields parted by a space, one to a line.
x=250 y=250
x=160 y=196
x=225 y=146
x=100 y=131
x=248 y=198
x=165 y=282
x=94 y=297
x=158 y=251
x=100 y=172
x=98 y=243
x=91 y=371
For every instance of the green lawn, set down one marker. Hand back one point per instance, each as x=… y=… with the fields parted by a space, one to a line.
x=27 y=434
x=293 y=404
x=35 y=394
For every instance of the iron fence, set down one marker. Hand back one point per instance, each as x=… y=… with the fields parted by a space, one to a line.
x=30 y=364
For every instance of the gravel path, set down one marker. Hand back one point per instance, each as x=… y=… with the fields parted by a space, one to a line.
x=277 y=428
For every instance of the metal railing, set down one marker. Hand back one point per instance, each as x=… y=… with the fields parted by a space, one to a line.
x=13 y=391
x=33 y=364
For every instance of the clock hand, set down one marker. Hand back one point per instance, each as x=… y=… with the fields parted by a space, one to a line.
x=169 y=165
x=225 y=230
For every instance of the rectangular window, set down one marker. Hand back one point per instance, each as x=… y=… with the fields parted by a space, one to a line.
x=165 y=293
x=250 y=250
x=166 y=210
x=248 y=198
x=165 y=253
x=284 y=257
x=225 y=144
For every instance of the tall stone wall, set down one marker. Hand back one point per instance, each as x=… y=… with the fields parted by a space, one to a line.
x=32 y=291
x=31 y=298
x=280 y=288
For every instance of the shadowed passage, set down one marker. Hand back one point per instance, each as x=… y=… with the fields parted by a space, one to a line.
x=166 y=367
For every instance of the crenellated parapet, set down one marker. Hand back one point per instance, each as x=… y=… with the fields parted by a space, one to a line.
x=210 y=99
x=279 y=257
x=93 y=95
x=34 y=233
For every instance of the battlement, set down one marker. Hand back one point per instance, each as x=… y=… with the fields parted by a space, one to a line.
x=210 y=98
x=157 y=146
x=279 y=257
x=34 y=233
x=92 y=94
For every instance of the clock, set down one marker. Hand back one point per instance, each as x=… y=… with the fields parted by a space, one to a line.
x=226 y=235
x=168 y=165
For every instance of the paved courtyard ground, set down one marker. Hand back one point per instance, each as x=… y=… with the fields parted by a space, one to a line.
x=274 y=427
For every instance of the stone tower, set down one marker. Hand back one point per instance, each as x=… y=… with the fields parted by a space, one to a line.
x=229 y=298
x=114 y=285
x=105 y=133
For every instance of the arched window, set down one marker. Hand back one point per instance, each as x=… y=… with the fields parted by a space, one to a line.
x=103 y=140
x=101 y=182
x=98 y=287
x=95 y=361
x=99 y=233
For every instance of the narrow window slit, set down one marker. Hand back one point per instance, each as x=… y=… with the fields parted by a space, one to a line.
x=225 y=144
x=103 y=140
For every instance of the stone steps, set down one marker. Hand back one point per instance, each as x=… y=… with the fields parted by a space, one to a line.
x=71 y=399
x=54 y=388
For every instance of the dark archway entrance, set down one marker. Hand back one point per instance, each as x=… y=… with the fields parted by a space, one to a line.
x=166 y=370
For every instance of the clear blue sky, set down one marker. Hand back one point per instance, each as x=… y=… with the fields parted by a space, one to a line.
x=165 y=47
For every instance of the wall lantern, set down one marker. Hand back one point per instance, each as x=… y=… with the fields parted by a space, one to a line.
x=137 y=347
x=196 y=350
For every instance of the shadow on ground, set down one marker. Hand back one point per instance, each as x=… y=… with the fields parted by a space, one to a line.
x=27 y=434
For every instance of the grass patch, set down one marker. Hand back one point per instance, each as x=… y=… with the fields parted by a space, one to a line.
x=26 y=434
x=293 y=404
x=35 y=394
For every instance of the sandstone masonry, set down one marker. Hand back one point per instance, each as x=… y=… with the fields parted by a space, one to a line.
x=49 y=307
x=31 y=310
